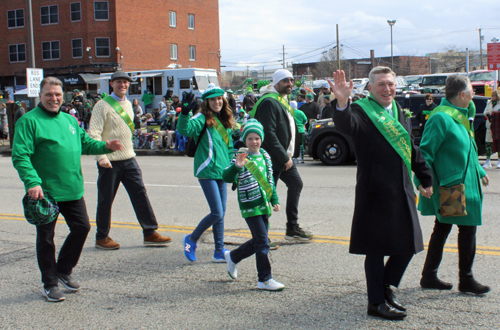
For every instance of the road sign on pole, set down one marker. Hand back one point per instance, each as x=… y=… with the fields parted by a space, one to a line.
x=494 y=56
x=33 y=79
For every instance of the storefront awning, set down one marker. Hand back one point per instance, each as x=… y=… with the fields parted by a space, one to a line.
x=80 y=79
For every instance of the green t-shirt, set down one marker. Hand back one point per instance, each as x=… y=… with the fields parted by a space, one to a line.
x=147 y=98
x=300 y=120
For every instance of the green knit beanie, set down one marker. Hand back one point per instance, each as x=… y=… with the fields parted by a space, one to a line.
x=253 y=126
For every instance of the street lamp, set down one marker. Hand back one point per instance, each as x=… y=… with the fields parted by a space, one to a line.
x=391 y=23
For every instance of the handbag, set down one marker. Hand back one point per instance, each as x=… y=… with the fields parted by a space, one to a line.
x=452 y=199
x=192 y=144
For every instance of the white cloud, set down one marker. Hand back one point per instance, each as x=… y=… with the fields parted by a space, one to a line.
x=254 y=31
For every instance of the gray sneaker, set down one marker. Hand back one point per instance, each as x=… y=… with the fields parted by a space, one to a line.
x=68 y=282
x=53 y=294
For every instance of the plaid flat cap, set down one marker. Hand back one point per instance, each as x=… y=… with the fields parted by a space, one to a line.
x=40 y=212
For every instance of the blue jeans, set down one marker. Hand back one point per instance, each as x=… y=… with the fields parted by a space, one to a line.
x=258 y=245
x=216 y=194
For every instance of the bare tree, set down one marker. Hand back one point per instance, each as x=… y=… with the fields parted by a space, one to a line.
x=329 y=63
x=452 y=59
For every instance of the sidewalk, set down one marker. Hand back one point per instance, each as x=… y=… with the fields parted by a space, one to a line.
x=7 y=151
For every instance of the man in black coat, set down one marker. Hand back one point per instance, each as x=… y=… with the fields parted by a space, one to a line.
x=282 y=143
x=385 y=221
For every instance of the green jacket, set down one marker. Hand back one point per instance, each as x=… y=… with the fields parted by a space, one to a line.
x=300 y=120
x=445 y=146
x=212 y=155
x=147 y=98
x=47 y=152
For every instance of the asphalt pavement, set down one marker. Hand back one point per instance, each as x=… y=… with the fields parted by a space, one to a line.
x=138 y=287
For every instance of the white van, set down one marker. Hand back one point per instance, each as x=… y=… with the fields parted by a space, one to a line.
x=158 y=82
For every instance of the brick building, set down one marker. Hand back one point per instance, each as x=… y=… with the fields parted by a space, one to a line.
x=75 y=40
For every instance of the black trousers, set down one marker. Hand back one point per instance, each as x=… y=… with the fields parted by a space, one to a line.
x=378 y=274
x=77 y=219
x=129 y=173
x=466 y=249
x=294 y=185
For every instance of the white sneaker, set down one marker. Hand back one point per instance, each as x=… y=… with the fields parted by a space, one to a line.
x=487 y=164
x=498 y=165
x=270 y=285
x=231 y=266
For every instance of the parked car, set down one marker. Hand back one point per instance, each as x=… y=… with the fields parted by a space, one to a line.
x=414 y=80
x=327 y=144
x=479 y=78
x=435 y=83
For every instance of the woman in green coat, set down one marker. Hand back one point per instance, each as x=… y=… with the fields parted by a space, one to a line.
x=213 y=155
x=449 y=149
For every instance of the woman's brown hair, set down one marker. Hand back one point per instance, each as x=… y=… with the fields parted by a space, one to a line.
x=429 y=95
x=225 y=114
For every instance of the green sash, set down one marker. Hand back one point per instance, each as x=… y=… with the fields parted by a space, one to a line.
x=278 y=98
x=397 y=136
x=261 y=179
x=222 y=131
x=115 y=105
x=456 y=115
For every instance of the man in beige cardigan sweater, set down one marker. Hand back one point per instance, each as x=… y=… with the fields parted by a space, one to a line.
x=120 y=166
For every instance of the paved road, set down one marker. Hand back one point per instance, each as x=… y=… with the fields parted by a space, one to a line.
x=142 y=287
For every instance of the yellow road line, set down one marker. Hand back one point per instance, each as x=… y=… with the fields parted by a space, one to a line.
x=484 y=250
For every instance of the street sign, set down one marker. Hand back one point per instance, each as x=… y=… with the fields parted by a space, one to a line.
x=33 y=79
x=494 y=56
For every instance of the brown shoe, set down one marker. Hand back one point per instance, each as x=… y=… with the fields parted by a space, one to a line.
x=156 y=240
x=107 y=244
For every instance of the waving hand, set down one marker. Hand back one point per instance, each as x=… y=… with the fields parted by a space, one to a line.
x=341 y=89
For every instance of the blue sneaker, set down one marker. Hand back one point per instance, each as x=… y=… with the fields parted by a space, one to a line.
x=219 y=256
x=189 y=248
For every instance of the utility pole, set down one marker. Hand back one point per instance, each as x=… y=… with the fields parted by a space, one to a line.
x=391 y=24
x=30 y=34
x=247 y=70
x=338 y=46
x=283 y=56
x=481 y=48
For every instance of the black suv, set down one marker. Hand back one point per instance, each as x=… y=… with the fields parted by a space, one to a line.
x=330 y=146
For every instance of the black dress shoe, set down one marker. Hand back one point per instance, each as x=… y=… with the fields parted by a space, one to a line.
x=385 y=311
x=392 y=301
x=434 y=283
x=470 y=285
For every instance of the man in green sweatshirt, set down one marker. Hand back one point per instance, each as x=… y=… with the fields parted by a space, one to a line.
x=47 y=155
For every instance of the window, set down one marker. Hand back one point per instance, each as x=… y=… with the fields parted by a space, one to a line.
x=172 y=18
x=77 y=46
x=102 y=47
x=101 y=11
x=154 y=85
x=49 y=14
x=15 y=18
x=51 y=50
x=192 y=53
x=191 y=21
x=173 y=51
x=17 y=53
x=135 y=88
x=76 y=12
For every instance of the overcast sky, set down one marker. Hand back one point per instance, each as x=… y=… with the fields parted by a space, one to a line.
x=253 y=32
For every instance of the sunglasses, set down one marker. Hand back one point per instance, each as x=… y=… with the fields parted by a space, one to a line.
x=287 y=80
x=429 y=99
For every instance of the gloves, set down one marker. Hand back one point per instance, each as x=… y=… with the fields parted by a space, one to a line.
x=188 y=103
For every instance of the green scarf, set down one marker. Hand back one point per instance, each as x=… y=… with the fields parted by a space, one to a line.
x=390 y=128
x=118 y=108
x=283 y=101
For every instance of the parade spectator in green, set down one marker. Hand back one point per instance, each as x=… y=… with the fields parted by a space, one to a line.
x=300 y=121
x=147 y=98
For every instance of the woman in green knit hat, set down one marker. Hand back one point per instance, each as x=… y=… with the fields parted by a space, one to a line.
x=211 y=127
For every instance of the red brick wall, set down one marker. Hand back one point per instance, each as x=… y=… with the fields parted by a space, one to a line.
x=87 y=29
x=144 y=34
x=140 y=28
